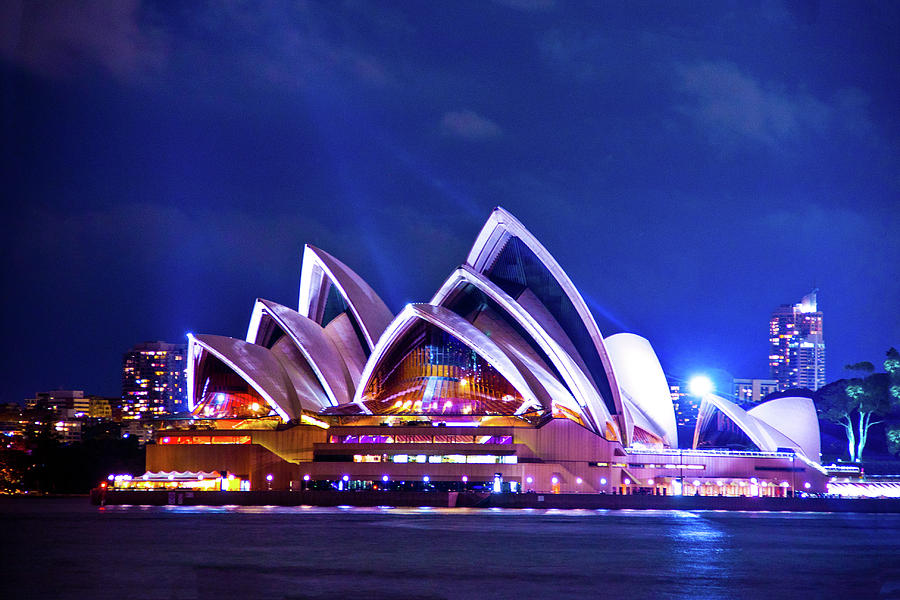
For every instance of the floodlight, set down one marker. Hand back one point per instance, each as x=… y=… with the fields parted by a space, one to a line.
x=701 y=385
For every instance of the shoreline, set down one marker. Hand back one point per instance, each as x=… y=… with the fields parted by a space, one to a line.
x=101 y=497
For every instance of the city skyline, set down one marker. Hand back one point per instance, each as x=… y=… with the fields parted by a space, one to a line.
x=689 y=177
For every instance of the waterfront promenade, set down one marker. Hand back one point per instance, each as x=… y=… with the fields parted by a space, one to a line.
x=485 y=500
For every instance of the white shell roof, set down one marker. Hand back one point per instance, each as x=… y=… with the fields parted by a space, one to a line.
x=796 y=418
x=309 y=337
x=641 y=376
x=369 y=310
x=492 y=238
x=766 y=437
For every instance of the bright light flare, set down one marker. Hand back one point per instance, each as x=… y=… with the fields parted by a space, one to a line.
x=701 y=385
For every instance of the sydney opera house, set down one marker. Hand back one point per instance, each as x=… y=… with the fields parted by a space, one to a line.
x=502 y=381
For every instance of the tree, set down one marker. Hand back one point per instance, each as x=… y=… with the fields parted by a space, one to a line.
x=864 y=366
x=892 y=368
x=893 y=439
x=855 y=404
x=833 y=404
x=872 y=401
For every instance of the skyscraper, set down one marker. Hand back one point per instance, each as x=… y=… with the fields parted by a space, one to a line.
x=797 y=354
x=153 y=380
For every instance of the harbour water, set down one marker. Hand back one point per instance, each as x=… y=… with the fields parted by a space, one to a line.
x=66 y=548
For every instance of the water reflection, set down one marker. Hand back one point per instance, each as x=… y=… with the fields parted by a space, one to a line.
x=303 y=551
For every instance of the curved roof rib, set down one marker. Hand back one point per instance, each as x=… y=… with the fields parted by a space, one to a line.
x=582 y=335
x=586 y=400
x=319 y=269
x=309 y=337
x=256 y=365
x=641 y=377
x=456 y=326
x=766 y=437
x=796 y=418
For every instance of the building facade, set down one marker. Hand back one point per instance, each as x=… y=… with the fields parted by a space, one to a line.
x=153 y=380
x=797 y=345
x=752 y=391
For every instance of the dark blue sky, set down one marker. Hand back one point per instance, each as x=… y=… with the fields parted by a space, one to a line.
x=691 y=165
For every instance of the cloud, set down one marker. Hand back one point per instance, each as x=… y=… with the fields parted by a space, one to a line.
x=56 y=39
x=293 y=44
x=730 y=105
x=288 y=44
x=469 y=125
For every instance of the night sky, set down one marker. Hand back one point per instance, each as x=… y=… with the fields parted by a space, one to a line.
x=691 y=165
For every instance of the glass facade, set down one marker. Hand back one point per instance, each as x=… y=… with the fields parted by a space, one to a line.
x=470 y=302
x=431 y=372
x=225 y=395
x=334 y=306
x=516 y=269
x=717 y=430
x=269 y=331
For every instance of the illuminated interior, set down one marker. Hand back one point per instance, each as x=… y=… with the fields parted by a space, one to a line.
x=204 y=439
x=431 y=372
x=231 y=405
x=226 y=395
x=180 y=480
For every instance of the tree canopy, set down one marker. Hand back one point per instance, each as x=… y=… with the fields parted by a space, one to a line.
x=859 y=403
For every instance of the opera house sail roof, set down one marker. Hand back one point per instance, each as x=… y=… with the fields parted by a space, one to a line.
x=507 y=336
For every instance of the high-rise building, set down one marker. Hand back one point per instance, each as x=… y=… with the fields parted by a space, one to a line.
x=752 y=391
x=797 y=345
x=153 y=380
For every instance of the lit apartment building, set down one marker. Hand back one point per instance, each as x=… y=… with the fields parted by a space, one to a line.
x=153 y=380
x=797 y=345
